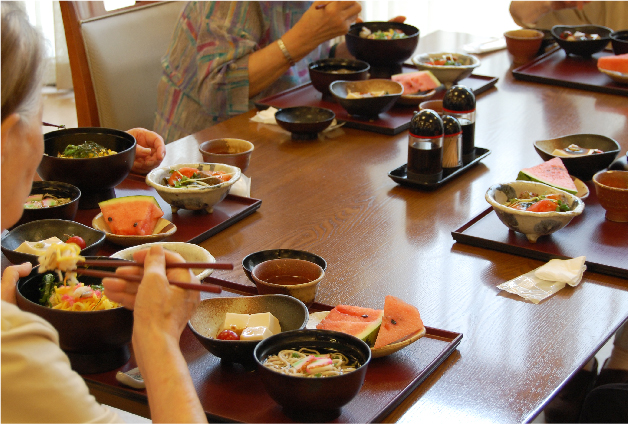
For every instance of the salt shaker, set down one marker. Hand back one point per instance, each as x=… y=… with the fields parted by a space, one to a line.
x=452 y=145
x=459 y=102
x=425 y=147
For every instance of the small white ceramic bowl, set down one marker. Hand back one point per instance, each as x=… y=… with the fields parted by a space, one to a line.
x=448 y=75
x=192 y=198
x=189 y=252
x=532 y=224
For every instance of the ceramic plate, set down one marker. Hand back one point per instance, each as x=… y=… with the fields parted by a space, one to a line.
x=616 y=76
x=583 y=190
x=190 y=252
x=317 y=317
x=163 y=229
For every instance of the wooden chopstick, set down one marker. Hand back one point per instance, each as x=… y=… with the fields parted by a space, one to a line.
x=137 y=278
x=116 y=263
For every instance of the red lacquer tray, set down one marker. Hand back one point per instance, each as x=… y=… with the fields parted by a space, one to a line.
x=392 y=122
x=557 y=68
x=192 y=226
x=230 y=393
x=603 y=242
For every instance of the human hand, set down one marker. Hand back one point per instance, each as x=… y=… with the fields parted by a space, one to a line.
x=398 y=19
x=325 y=20
x=150 y=150
x=9 y=279
x=156 y=303
x=557 y=5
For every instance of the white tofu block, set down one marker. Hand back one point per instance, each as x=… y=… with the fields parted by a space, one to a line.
x=265 y=319
x=255 y=333
x=235 y=322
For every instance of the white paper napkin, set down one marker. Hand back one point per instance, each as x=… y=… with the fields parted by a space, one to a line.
x=242 y=187
x=546 y=280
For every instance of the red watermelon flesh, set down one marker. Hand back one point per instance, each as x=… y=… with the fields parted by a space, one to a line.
x=416 y=82
x=552 y=173
x=362 y=323
x=617 y=63
x=400 y=321
x=131 y=215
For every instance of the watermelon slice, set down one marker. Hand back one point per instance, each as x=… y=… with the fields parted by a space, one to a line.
x=552 y=173
x=362 y=323
x=618 y=63
x=400 y=321
x=416 y=82
x=131 y=215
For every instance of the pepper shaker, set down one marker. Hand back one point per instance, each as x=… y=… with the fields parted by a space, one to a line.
x=425 y=147
x=459 y=102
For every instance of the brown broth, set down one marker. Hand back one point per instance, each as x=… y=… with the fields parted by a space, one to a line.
x=288 y=280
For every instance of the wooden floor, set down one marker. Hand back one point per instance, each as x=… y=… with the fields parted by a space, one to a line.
x=60 y=109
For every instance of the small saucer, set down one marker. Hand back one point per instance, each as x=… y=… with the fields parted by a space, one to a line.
x=400 y=175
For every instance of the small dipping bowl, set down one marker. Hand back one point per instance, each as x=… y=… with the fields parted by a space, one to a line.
x=304 y=122
x=231 y=151
x=325 y=71
x=293 y=277
x=619 y=41
x=523 y=44
x=612 y=192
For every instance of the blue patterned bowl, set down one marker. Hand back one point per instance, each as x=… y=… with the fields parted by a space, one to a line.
x=532 y=224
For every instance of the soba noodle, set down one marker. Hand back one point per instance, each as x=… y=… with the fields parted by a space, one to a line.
x=310 y=363
x=61 y=258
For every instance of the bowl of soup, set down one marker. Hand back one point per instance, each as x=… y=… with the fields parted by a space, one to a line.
x=581 y=40
x=293 y=277
x=308 y=385
x=325 y=71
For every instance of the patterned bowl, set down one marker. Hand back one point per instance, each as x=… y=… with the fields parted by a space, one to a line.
x=532 y=224
x=203 y=199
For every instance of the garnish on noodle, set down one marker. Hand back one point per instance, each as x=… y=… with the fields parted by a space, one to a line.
x=310 y=363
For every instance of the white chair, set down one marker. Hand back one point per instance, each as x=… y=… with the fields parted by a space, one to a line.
x=115 y=60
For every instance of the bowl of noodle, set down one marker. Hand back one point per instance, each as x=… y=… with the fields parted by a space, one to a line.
x=93 y=331
x=312 y=371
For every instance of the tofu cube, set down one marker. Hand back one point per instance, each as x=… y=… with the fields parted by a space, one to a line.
x=235 y=322
x=255 y=333
x=265 y=319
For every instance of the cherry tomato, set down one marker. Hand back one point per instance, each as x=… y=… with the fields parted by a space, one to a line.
x=543 y=206
x=228 y=335
x=78 y=241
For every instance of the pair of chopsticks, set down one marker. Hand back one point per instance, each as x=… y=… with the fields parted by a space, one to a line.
x=137 y=278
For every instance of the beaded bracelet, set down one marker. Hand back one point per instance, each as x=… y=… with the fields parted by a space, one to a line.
x=285 y=52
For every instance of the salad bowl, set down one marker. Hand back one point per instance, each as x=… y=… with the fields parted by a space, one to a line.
x=532 y=224
x=449 y=68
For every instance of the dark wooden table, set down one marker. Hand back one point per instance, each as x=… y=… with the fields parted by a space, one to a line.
x=334 y=198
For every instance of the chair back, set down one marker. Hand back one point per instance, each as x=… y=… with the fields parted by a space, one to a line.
x=115 y=60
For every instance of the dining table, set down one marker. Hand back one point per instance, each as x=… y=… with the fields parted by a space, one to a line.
x=333 y=196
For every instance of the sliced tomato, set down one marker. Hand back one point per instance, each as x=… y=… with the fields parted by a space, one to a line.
x=177 y=175
x=78 y=241
x=543 y=206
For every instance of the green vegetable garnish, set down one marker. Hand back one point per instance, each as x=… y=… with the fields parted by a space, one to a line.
x=50 y=282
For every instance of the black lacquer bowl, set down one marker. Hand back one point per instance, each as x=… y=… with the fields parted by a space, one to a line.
x=58 y=189
x=256 y=258
x=300 y=395
x=44 y=229
x=95 y=341
x=95 y=177
x=583 y=167
x=382 y=52
x=583 y=48
x=325 y=71
x=304 y=122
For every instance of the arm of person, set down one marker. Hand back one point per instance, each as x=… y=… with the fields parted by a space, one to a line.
x=317 y=25
x=150 y=150
x=161 y=312
x=527 y=13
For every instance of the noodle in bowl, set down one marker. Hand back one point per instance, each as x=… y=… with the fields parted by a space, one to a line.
x=276 y=356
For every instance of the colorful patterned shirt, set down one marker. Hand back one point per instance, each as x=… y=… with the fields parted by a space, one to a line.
x=205 y=71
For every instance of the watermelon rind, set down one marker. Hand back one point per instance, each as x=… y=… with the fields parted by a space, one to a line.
x=552 y=173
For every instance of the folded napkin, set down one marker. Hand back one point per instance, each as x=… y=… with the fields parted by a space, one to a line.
x=242 y=187
x=268 y=117
x=546 y=280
